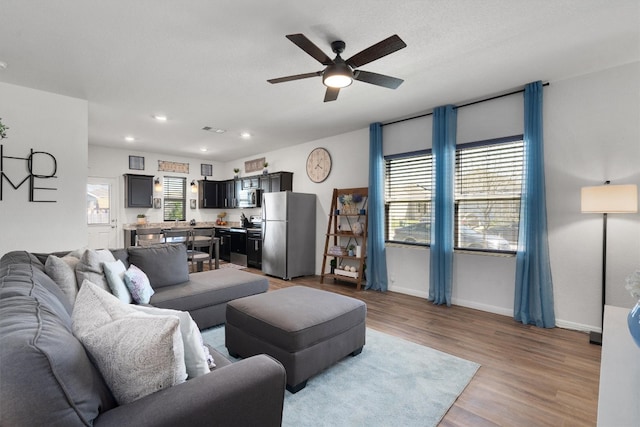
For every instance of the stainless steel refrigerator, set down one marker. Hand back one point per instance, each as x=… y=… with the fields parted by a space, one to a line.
x=288 y=234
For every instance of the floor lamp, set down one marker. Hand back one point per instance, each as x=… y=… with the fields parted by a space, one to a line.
x=607 y=199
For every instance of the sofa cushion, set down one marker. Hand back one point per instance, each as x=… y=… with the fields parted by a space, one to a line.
x=27 y=278
x=90 y=267
x=209 y=288
x=136 y=353
x=41 y=358
x=63 y=272
x=165 y=265
x=115 y=278
x=138 y=284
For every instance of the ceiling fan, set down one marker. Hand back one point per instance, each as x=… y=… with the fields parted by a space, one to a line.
x=340 y=73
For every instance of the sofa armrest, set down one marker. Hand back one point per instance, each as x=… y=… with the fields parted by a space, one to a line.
x=246 y=393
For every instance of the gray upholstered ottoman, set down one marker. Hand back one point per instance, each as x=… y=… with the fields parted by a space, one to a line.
x=306 y=329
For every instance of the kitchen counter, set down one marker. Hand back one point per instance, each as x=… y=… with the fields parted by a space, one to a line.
x=130 y=229
x=167 y=225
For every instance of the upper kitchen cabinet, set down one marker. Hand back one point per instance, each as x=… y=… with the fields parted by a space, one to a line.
x=138 y=191
x=211 y=194
x=278 y=181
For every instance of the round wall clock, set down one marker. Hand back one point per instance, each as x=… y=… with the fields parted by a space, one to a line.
x=318 y=165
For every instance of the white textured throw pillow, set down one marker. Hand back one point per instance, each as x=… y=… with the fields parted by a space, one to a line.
x=114 y=271
x=63 y=274
x=136 y=353
x=195 y=353
x=90 y=267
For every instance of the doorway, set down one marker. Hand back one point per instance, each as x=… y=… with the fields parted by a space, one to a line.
x=102 y=211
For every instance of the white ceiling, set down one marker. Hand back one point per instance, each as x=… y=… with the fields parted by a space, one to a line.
x=205 y=63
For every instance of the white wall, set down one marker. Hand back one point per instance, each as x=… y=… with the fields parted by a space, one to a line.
x=57 y=125
x=114 y=163
x=592 y=133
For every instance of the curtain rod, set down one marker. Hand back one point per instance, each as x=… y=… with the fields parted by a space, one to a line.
x=461 y=106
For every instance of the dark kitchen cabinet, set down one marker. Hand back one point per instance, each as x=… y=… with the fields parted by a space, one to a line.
x=254 y=249
x=225 y=243
x=211 y=194
x=138 y=191
x=279 y=181
x=230 y=193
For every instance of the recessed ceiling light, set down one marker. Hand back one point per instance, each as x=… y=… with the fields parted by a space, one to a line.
x=160 y=117
x=203 y=149
x=3 y=65
x=129 y=138
x=245 y=135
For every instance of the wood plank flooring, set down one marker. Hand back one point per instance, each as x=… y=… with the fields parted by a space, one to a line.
x=529 y=376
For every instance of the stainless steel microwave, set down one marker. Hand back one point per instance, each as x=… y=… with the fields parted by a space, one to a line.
x=250 y=198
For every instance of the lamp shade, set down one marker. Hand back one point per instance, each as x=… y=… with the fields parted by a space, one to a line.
x=610 y=199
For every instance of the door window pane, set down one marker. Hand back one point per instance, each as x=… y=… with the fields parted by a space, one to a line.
x=98 y=204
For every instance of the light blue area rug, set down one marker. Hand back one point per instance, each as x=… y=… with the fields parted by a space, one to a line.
x=393 y=382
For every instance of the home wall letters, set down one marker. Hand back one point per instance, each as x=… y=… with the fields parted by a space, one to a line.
x=37 y=163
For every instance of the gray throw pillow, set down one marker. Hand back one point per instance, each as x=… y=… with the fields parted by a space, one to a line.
x=164 y=265
x=90 y=267
x=62 y=271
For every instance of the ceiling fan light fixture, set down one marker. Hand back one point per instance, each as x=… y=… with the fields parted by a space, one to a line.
x=338 y=75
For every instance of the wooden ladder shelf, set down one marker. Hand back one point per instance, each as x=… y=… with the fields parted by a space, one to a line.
x=345 y=229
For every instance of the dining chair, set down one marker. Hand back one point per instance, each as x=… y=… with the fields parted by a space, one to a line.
x=148 y=236
x=202 y=246
x=177 y=235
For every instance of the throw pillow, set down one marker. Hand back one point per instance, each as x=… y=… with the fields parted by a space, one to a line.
x=64 y=276
x=196 y=354
x=90 y=267
x=165 y=265
x=115 y=278
x=136 y=353
x=138 y=284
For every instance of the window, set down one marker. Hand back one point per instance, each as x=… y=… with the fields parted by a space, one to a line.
x=98 y=204
x=488 y=182
x=174 y=198
x=488 y=185
x=408 y=197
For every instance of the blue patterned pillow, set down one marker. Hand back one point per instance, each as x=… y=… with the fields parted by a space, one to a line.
x=138 y=284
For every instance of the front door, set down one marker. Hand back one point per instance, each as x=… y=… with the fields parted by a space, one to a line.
x=102 y=210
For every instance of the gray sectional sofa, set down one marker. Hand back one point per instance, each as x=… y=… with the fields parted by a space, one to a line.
x=47 y=377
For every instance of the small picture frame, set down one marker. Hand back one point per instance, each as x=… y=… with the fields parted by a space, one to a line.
x=206 y=169
x=192 y=203
x=157 y=203
x=136 y=163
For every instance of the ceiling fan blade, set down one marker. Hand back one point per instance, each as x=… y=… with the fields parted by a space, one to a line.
x=296 y=77
x=377 y=79
x=377 y=51
x=307 y=45
x=331 y=94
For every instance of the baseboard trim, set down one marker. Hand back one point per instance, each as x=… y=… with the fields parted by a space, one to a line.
x=564 y=324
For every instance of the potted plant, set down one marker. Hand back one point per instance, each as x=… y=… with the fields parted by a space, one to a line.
x=351 y=247
x=236 y=171
x=142 y=219
x=265 y=170
x=333 y=263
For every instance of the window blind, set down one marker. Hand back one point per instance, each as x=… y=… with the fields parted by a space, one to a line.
x=488 y=183
x=408 y=197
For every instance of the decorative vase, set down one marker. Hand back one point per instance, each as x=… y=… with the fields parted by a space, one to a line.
x=265 y=171
x=633 y=320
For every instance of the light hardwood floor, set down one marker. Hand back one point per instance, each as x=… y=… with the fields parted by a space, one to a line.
x=529 y=376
